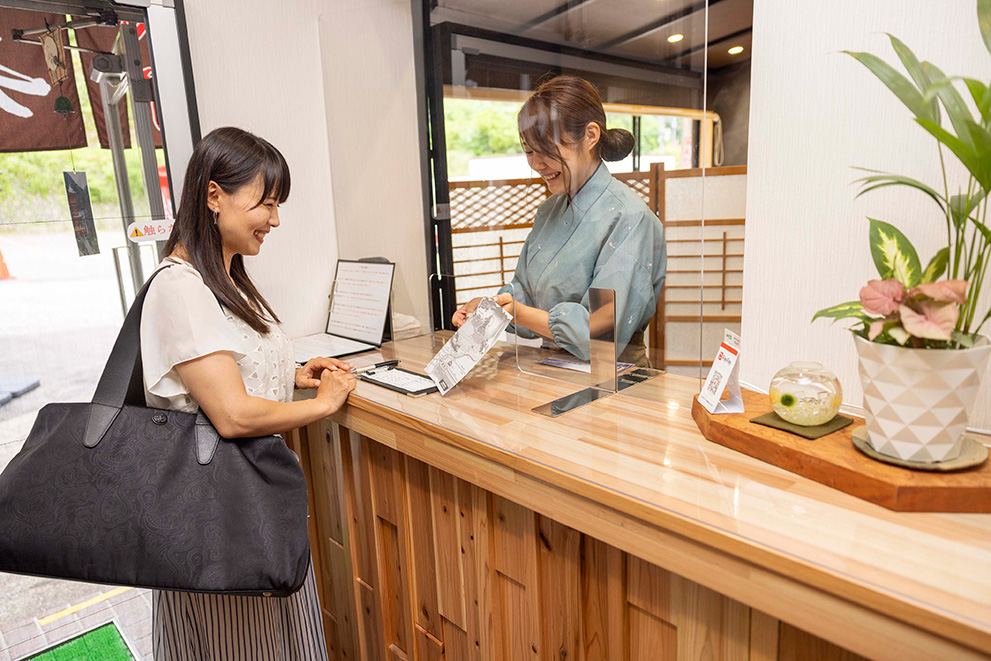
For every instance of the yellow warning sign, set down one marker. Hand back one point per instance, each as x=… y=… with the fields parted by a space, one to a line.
x=136 y=232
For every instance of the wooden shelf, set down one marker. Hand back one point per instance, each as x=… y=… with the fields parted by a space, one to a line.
x=834 y=461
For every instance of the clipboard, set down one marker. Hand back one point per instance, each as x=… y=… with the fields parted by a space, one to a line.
x=384 y=381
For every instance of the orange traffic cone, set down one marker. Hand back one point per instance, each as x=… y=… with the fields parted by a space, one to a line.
x=4 y=271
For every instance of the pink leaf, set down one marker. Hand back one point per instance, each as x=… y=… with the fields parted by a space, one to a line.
x=877 y=327
x=935 y=322
x=882 y=296
x=949 y=291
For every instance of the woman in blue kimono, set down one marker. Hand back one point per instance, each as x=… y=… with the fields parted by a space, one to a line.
x=593 y=231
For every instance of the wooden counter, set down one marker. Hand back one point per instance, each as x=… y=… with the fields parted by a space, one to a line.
x=467 y=527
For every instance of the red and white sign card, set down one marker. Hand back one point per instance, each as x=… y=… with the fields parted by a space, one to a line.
x=724 y=375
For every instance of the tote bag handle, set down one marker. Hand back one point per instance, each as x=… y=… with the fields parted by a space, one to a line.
x=122 y=381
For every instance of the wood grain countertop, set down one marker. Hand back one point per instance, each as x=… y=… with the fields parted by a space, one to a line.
x=639 y=455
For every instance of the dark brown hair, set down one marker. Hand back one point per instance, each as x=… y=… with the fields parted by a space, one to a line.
x=559 y=111
x=232 y=158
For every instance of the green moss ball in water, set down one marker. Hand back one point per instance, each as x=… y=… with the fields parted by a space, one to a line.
x=805 y=394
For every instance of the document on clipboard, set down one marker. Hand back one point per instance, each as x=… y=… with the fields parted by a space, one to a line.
x=357 y=318
x=400 y=380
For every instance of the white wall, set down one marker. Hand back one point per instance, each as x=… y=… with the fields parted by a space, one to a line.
x=814 y=113
x=371 y=121
x=256 y=65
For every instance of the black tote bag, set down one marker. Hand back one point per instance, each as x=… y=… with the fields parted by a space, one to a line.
x=115 y=492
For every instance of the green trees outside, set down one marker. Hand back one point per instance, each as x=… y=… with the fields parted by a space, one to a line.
x=488 y=128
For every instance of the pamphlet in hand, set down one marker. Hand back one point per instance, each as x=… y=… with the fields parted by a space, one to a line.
x=463 y=351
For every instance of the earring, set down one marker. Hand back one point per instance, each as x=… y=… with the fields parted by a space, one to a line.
x=214 y=212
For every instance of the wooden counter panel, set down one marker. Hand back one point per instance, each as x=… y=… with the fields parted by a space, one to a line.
x=736 y=569
x=646 y=460
x=439 y=568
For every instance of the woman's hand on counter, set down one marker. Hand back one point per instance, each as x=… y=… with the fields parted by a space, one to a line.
x=308 y=376
x=334 y=388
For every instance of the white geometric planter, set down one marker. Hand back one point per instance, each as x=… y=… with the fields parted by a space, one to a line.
x=917 y=401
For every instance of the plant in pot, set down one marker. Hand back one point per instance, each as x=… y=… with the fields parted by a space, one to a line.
x=918 y=334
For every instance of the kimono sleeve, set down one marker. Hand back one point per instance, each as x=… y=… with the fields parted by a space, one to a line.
x=625 y=265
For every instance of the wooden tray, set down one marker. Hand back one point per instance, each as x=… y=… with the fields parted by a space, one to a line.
x=835 y=462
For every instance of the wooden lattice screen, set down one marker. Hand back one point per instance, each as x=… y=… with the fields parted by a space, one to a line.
x=486 y=206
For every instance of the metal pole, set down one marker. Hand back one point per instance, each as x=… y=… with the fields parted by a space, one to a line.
x=116 y=138
x=120 y=279
x=142 y=95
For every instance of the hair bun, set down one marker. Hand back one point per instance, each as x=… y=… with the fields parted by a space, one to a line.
x=616 y=144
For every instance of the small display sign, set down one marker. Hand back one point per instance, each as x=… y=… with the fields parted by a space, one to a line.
x=154 y=230
x=724 y=375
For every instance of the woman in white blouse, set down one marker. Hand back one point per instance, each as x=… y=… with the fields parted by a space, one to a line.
x=210 y=340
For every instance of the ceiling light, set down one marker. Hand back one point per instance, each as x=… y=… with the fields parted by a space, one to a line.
x=735 y=50
x=675 y=38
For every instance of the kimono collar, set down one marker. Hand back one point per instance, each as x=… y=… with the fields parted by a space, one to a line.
x=592 y=189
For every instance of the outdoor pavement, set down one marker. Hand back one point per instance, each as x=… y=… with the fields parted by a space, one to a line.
x=59 y=317
x=129 y=610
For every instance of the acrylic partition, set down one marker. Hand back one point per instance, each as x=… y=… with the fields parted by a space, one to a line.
x=647 y=62
x=584 y=353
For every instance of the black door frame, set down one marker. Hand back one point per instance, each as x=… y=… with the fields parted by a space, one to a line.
x=432 y=57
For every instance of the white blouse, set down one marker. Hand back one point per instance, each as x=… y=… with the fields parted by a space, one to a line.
x=182 y=320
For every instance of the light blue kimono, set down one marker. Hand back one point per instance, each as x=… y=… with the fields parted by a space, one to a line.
x=604 y=237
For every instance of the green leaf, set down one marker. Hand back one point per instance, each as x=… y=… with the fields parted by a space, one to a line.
x=981 y=94
x=979 y=165
x=895 y=82
x=980 y=138
x=983 y=229
x=875 y=181
x=984 y=21
x=936 y=267
x=914 y=68
x=956 y=109
x=962 y=205
x=843 y=311
x=965 y=340
x=894 y=256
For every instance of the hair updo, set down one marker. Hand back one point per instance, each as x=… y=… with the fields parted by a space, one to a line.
x=560 y=110
x=615 y=144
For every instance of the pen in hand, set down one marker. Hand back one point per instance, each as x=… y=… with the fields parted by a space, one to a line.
x=388 y=363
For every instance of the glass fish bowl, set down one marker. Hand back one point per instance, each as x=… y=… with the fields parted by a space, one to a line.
x=806 y=393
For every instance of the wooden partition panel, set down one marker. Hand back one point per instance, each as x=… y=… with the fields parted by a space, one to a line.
x=415 y=563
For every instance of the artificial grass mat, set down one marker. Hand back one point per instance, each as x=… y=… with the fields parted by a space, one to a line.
x=103 y=643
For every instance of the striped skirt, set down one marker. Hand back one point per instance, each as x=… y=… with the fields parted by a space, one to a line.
x=215 y=627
